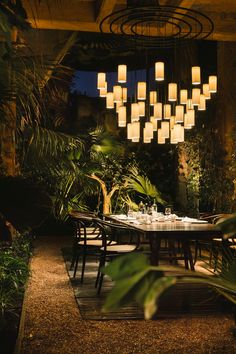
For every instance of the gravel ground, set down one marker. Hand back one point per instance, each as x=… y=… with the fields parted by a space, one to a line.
x=53 y=323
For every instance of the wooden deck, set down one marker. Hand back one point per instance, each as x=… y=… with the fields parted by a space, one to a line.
x=180 y=300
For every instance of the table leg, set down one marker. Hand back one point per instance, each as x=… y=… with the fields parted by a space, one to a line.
x=155 y=243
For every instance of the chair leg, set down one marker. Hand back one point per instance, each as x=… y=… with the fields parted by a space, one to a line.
x=83 y=267
x=76 y=265
x=100 y=284
x=100 y=275
x=73 y=259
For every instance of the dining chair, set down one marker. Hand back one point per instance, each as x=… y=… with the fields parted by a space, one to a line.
x=87 y=242
x=215 y=245
x=115 y=232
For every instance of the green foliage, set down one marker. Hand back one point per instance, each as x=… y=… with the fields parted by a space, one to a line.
x=136 y=280
x=59 y=174
x=142 y=185
x=13 y=275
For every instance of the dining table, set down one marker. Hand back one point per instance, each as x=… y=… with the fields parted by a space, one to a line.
x=183 y=230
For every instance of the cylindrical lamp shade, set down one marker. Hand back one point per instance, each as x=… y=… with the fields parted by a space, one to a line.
x=124 y=94
x=158 y=111
x=206 y=91
x=134 y=112
x=136 y=131
x=183 y=96
x=189 y=104
x=213 y=83
x=191 y=117
x=159 y=71
x=172 y=92
x=187 y=125
x=103 y=91
x=160 y=138
x=101 y=80
x=110 y=100
x=118 y=105
x=146 y=139
x=117 y=90
x=172 y=122
x=129 y=131
x=122 y=73
x=179 y=114
x=142 y=91
x=177 y=135
x=202 y=105
x=149 y=130
x=173 y=139
x=196 y=96
x=154 y=123
x=167 y=111
x=196 y=75
x=165 y=128
x=122 y=116
x=141 y=106
x=153 y=98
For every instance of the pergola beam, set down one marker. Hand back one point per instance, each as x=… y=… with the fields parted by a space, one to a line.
x=105 y=7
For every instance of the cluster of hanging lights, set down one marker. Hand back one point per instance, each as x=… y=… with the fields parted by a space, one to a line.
x=169 y=118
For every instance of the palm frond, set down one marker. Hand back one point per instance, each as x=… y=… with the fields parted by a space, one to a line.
x=142 y=184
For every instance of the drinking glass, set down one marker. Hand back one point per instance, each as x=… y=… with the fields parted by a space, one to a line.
x=167 y=211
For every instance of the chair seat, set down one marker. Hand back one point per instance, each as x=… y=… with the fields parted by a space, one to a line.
x=97 y=243
x=120 y=248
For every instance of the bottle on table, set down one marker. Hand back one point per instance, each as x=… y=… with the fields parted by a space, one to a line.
x=154 y=206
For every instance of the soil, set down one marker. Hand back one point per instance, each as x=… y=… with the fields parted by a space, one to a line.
x=53 y=324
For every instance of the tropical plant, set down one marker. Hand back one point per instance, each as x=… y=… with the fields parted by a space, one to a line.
x=136 y=280
x=141 y=184
x=13 y=275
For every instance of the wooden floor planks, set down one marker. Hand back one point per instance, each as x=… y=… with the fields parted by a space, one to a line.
x=182 y=299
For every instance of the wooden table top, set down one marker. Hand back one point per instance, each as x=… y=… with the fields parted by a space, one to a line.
x=173 y=228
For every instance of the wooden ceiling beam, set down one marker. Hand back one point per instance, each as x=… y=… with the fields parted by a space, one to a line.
x=105 y=7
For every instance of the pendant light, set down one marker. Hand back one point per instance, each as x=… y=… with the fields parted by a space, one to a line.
x=157 y=111
x=124 y=94
x=167 y=111
x=118 y=105
x=136 y=131
x=101 y=80
x=149 y=130
x=122 y=73
x=117 y=90
x=183 y=96
x=129 y=131
x=141 y=106
x=153 y=98
x=146 y=139
x=202 y=105
x=179 y=114
x=165 y=128
x=141 y=90
x=160 y=138
x=206 y=91
x=122 y=116
x=196 y=96
x=110 y=100
x=134 y=112
x=159 y=71
x=103 y=91
x=154 y=123
x=196 y=75
x=213 y=83
x=172 y=92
